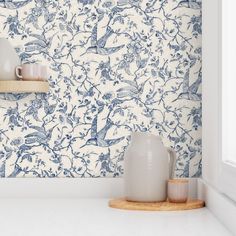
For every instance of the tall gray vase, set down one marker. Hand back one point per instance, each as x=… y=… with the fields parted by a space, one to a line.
x=148 y=166
x=8 y=60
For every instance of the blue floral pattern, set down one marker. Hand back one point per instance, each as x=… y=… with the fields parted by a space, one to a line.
x=115 y=66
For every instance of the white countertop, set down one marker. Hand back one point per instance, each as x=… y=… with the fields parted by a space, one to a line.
x=93 y=217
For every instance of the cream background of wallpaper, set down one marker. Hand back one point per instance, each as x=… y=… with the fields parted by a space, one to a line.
x=85 y=84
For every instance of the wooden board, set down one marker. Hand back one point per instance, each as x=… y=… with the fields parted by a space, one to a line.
x=155 y=206
x=19 y=86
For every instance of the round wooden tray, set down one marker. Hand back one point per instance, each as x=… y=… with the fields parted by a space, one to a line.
x=155 y=206
x=20 y=86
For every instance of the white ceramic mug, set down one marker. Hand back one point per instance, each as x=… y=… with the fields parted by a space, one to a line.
x=43 y=74
x=31 y=72
x=178 y=190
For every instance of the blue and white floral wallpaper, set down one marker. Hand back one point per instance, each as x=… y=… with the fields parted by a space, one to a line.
x=115 y=66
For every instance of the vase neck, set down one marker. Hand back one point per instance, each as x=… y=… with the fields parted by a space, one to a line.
x=139 y=137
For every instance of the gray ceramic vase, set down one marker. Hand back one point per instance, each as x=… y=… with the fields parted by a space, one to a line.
x=148 y=166
x=8 y=60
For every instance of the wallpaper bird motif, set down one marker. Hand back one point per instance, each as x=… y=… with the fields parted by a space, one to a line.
x=115 y=66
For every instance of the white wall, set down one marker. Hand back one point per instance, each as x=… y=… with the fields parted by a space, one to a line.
x=210 y=189
x=61 y=187
x=210 y=88
x=70 y=187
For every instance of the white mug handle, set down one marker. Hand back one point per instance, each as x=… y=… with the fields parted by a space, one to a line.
x=19 y=72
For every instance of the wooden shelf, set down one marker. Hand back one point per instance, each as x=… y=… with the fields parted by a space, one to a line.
x=155 y=206
x=19 y=86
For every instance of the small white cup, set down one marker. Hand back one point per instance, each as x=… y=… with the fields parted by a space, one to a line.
x=31 y=72
x=43 y=74
x=178 y=190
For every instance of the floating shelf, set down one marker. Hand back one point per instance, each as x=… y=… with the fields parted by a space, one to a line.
x=155 y=206
x=19 y=86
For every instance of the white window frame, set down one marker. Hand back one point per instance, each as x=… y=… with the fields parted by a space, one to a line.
x=216 y=172
x=227 y=174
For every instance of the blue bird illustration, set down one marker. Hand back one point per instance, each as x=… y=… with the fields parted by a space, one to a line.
x=13 y=4
x=98 y=45
x=40 y=135
x=194 y=4
x=39 y=44
x=125 y=2
x=15 y=172
x=191 y=92
x=131 y=90
x=2 y=170
x=13 y=96
x=98 y=138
